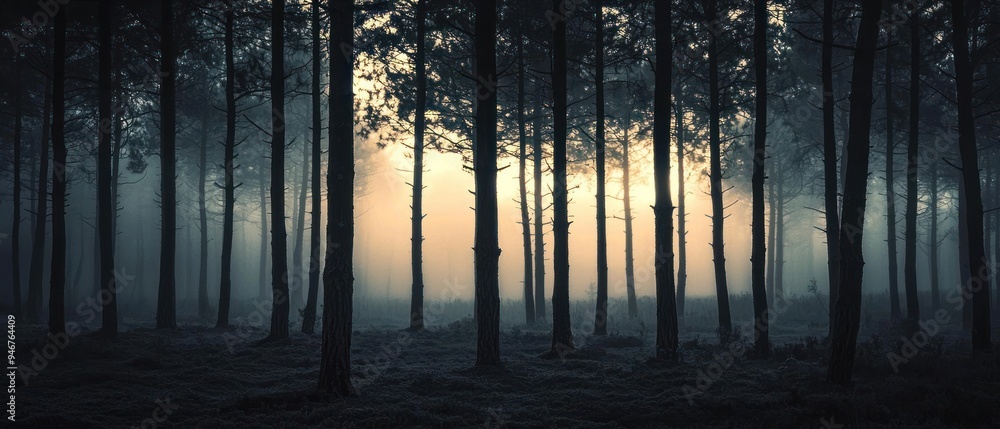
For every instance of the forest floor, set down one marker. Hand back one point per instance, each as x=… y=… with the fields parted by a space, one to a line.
x=199 y=377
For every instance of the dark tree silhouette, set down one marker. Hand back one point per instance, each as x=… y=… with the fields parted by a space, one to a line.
x=666 y=304
x=847 y=317
x=487 y=248
x=830 y=204
x=309 y=314
x=166 y=307
x=417 y=218
x=601 y=315
x=33 y=308
x=932 y=239
x=262 y=273
x=910 y=261
x=715 y=173
x=562 y=336
x=681 y=214
x=979 y=271
x=15 y=229
x=522 y=162
x=105 y=200
x=890 y=181
x=279 y=237
x=229 y=187
x=758 y=253
x=57 y=277
x=204 y=308
x=338 y=274
x=537 y=155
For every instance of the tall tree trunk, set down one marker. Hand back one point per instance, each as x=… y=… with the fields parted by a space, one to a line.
x=910 y=258
x=681 y=214
x=166 y=307
x=417 y=217
x=890 y=181
x=601 y=315
x=932 y=241
x=262 y=275
x=15 y=233
x=487 y=246
x=204 y=308
x=105 y=176
x=562 y=336
x=229 y=197
x=96 y=250
x=979 y=271
x=772 y=230
x=298 y=279
x=309 y=315
x=118 y=116
x=279 y=237
x=33 y=309
x=830 y=183
x=715 y=149
x=779 y=239
x=666 y=302
x=529 y=297
x=57 y=287
x=847 y=317
x=633 y=305
x=537 y=155
x=963 y=255
x=338 y=275
x=758 y=253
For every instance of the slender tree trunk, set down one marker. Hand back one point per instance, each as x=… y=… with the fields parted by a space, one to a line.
x=758 y=256
x=338 y=275
x=57 y=310
x=932 y=241
x=890 y=182
x=309 y=315
x=204 y=308
x=830 y=183
x=779 y=239
x=529 y=297
x=847 y=317
x=417 y=217
x=229 y=197
x=633 y=305
x=681 y=214
x=910 y=261
x=262 y=275
x=298 y=279
x=963 y=255
x=562 y=336
x=15 y=233
x=601 y=315
x=487 y=246
x=279 y=237
x=978 y=266
x=33 y=309
x=105 y=176
x=537 y=155
x=95 y=253
x=166 y=308
x=118 y=116
x=666 y=303
x=772 y=231
x=715 y=149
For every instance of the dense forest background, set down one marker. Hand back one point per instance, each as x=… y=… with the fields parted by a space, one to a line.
x=599 y=180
